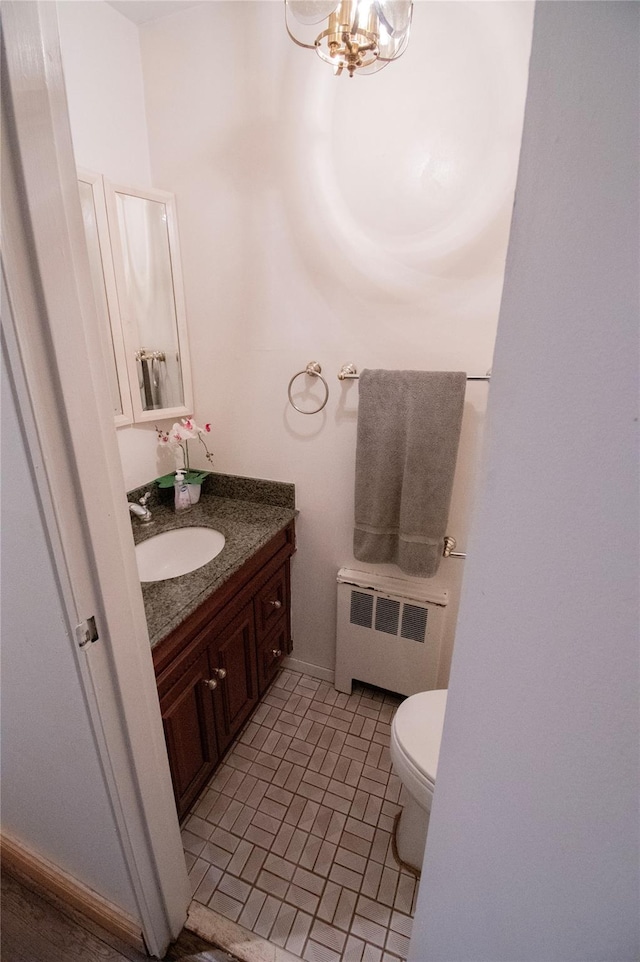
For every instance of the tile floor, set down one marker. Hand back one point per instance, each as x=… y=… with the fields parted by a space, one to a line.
x=292 y=837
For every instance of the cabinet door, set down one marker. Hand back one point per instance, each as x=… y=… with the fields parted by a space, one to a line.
x=188 y=719
x=232 y=661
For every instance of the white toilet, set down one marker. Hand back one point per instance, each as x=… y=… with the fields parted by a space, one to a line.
x=416 y=732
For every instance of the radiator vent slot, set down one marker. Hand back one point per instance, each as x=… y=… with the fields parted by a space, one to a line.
x=391 y=617
x=387 y=615
x=361 y=609
x=414 y=623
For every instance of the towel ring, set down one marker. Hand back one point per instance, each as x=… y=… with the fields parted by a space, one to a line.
x=314 y=369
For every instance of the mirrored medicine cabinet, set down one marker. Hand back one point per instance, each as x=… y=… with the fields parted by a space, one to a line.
x=134 y=255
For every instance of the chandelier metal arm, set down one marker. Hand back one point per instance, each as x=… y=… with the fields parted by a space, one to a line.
x=357 y=47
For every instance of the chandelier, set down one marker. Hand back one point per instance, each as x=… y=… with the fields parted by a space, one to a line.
x=362 y=35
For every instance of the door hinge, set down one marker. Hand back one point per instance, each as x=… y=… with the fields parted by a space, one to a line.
x=86 y=632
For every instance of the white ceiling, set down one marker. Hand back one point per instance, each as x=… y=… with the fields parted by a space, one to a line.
x=142 y=11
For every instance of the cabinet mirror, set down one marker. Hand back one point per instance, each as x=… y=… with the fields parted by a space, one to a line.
x=144 y=236
x=134 y=257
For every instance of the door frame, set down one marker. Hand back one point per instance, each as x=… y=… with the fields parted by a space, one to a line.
x=54 y=350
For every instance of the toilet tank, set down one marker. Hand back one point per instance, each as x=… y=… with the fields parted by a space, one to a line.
x=389 y=631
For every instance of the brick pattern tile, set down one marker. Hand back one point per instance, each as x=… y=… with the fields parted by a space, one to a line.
x=292 y=836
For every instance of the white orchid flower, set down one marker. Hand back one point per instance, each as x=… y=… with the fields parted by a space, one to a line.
x=180 y=434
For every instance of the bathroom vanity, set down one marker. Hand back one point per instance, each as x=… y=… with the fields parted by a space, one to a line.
x=219 y=633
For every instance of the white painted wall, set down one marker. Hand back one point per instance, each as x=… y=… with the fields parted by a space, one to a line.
x=54 y=798
x=337 y=220
x=105 y=92
x=103 y=76
x=533 y=846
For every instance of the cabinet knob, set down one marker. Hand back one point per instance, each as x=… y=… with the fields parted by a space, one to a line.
x=211 y=683
x=276 y=604
x=276 y=652
x=220 y=673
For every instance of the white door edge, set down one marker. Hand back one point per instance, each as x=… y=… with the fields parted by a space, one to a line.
x=58 y=368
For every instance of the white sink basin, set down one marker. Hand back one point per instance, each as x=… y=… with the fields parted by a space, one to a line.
x=177 y=552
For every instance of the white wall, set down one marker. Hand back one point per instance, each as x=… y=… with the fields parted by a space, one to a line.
x=105 y=92
x=103 y=77
x=54 y=799
x=330 y=219
x=533 y=845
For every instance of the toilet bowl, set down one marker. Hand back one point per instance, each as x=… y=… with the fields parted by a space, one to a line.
x=416 y=732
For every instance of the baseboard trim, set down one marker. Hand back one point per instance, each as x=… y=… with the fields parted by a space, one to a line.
x=325 y=674
x=49 y=879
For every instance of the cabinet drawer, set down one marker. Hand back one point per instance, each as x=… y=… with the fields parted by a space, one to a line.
x=272 y=602
x=271 y=650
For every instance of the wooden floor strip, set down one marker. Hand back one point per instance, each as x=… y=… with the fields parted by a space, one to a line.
x=35 y=930
x=51 y=882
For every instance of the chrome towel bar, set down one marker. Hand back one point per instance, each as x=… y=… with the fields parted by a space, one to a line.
x=449 y=545
x=349 y=372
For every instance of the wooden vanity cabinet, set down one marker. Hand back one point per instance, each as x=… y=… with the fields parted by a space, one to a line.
x=213 y=668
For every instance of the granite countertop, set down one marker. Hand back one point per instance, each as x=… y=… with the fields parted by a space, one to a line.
x=226 y=506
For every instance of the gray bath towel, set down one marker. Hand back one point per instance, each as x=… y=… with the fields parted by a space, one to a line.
x=408 y=432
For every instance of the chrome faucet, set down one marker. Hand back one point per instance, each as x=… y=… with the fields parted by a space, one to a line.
x=141 y=510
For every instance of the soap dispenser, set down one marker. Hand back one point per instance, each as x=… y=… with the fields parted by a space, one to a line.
x=182 y=499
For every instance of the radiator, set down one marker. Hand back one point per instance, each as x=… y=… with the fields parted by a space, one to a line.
x=389 y=631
